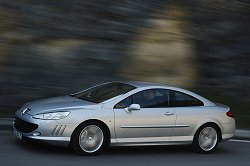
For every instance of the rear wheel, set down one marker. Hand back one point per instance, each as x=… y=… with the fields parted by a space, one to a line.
x=89 y=139
x=206 y=139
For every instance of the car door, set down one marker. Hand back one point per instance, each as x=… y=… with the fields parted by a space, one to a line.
x=154 y=122
x=188 y=111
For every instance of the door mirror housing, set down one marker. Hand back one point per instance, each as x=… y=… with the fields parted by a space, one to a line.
x=134 y=107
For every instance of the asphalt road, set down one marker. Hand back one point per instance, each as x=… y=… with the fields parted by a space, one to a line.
x=18 y=153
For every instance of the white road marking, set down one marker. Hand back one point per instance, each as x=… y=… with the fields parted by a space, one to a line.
x=236 y=140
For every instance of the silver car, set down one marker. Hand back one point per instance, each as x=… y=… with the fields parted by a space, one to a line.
x=124 y=114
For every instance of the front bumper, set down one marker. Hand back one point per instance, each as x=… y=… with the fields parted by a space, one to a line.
x=49 y=131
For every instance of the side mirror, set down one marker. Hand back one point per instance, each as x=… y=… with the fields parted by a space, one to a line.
x=134 y=107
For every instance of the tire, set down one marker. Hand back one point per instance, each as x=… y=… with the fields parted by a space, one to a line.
x=89 y=139
x=206 y=139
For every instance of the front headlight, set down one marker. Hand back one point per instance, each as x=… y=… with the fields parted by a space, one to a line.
x=52 y=115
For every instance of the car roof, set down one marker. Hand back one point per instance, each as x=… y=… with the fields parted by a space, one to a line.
x=139 y=84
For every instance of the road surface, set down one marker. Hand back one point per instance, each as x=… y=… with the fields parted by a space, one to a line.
x=18 y=153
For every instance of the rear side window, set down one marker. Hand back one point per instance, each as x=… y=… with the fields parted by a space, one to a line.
x=179 y=99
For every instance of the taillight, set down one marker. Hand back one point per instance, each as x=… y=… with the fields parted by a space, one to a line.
x=230 y=114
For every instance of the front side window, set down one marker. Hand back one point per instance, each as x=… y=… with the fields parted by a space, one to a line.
x=151 y=98
x=124 y=103
x=104 y=92
x=179 y=99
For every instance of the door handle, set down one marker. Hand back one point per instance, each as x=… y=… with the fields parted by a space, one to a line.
x=169 y=113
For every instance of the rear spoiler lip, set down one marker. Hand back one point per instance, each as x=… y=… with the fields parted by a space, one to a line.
x=222 y=105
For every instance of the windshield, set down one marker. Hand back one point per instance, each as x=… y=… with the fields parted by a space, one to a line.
x=104 y=92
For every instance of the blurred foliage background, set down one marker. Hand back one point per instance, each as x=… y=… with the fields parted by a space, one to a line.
x=50 y=48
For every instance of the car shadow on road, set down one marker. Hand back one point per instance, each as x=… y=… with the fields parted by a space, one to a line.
x=41 y=147
x=159 y=150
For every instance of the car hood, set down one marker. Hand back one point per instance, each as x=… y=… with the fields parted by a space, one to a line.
x=60 y=103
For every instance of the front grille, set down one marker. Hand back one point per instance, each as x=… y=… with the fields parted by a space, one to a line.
x=23 y=126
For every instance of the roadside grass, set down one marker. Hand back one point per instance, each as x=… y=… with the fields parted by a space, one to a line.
x=240 y=108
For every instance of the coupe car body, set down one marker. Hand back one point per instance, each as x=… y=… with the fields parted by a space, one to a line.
x=124 y=114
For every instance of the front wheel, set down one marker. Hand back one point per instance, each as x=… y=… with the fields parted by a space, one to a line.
x=89 y=139
x=206 y=139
